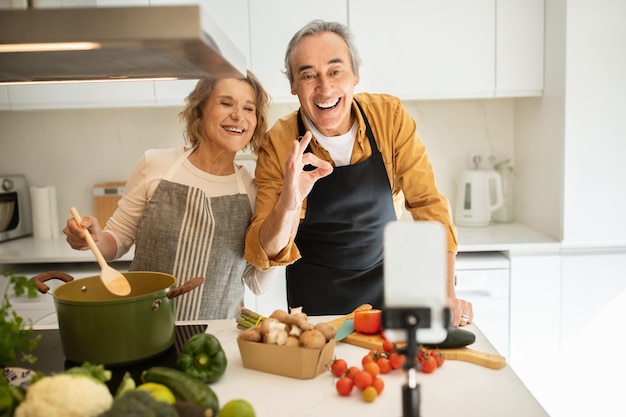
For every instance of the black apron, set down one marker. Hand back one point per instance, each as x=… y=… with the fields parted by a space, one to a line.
x=341 y=237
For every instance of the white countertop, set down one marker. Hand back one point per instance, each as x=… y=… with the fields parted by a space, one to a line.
x=29 y=250
x=496 y=237
x=455 y=389
x=505 y=237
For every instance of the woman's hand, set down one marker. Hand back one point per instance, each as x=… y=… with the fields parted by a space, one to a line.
x=75 y=233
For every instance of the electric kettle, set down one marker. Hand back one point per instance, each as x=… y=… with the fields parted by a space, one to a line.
x=479 y=194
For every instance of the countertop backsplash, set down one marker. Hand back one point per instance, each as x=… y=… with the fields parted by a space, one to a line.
x=75 y=149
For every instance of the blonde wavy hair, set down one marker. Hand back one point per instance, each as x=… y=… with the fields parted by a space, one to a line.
x=195 y=101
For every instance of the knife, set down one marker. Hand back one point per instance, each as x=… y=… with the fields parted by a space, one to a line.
x=345 y=330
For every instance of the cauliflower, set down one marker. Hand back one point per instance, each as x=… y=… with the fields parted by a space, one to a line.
x=65 y=395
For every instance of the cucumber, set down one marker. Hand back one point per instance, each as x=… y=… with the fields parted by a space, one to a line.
x=185 y=387
x=456 y=338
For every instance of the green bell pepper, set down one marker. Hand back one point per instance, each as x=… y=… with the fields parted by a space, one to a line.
x=203 y=357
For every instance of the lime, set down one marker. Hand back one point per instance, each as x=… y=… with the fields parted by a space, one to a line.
x=160 y=392
x=237 y=408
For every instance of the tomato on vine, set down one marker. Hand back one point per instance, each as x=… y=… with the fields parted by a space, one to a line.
x=339 y=367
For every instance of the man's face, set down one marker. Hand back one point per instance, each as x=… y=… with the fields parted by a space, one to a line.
x=324 y=81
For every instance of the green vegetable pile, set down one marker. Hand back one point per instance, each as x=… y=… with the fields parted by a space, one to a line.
x=16 y=341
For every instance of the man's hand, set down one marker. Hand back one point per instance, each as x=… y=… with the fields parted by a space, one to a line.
x=297 y=182
x=462 y=313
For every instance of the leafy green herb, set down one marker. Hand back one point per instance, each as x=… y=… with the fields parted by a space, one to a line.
x=16 y=340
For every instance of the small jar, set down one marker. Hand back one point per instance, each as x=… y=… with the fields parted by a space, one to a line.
x=506 y=213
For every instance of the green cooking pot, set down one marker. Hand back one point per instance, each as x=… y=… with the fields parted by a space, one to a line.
x=103 y=328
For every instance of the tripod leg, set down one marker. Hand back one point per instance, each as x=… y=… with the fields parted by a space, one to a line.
x=410 y=401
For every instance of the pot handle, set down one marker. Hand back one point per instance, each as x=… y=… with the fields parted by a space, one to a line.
x=186 y=287
x=39 y=280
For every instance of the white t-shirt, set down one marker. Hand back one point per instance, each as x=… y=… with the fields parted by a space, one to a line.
x=339 y=147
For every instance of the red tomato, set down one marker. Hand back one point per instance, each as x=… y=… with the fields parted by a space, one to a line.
x=368 y=321
x=370 y=357
x=396 y=360
x=384 y=365
x=379 y=384
x=363 y=379
x=429 y=364
x=339 y=367
x=439 y=357
x=344 y=386
x=388 y=346
x=352 y=371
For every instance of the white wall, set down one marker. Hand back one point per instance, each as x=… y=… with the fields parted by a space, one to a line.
x=75 y=149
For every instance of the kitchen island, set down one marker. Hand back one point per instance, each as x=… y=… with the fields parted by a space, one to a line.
x=456 y=389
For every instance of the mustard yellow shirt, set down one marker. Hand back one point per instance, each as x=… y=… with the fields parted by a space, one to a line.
x=409 y=170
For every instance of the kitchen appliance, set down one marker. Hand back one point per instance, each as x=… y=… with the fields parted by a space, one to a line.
x=15 y=209
x=479 y=194
x=100 y=327
x=114 y=43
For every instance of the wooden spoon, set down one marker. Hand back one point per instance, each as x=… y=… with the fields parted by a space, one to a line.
x=113 y=280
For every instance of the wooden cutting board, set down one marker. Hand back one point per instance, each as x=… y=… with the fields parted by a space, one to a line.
x=465 y=354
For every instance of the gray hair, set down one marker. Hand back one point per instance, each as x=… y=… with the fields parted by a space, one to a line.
x=320 y=26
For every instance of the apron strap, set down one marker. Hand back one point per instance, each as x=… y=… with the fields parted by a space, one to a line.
x=181 y=160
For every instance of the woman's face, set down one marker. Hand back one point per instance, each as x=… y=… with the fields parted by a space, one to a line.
x=324 y=81
x=229 y=115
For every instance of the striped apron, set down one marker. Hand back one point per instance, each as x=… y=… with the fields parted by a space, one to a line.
x=184 y=233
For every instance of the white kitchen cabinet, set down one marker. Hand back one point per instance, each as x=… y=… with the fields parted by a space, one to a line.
x=83 y=95
x=426 y=48
x=272 y=24
x=519 y=47
x=535 y=321
x=593 y=300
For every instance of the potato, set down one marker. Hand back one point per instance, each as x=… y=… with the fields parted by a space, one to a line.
x=312 y=339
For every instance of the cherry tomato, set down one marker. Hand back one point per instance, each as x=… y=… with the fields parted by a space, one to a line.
x=388 y=346
x=379 y=384
x=370 y=357
x=363 y=379
x=372 y=368
x=344 y=386
x=429 y=364
x=384 y=365
x=339 y=367
x=396 y=360
x=439 y=357
x=369 y=394
x=352 y=371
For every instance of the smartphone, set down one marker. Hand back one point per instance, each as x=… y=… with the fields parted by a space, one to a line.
x=415 y=273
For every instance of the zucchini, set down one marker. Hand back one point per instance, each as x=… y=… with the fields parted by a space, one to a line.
x=456 y=338
x=185 y=387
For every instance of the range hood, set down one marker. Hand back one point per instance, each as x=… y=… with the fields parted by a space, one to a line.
x=89 y=44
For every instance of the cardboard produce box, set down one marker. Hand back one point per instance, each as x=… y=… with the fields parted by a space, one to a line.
x=295 y=362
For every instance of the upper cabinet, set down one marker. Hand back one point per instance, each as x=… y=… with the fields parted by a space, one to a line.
x=415 y=49
x=272 y=24
x=428 y=49
x=519 y=47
